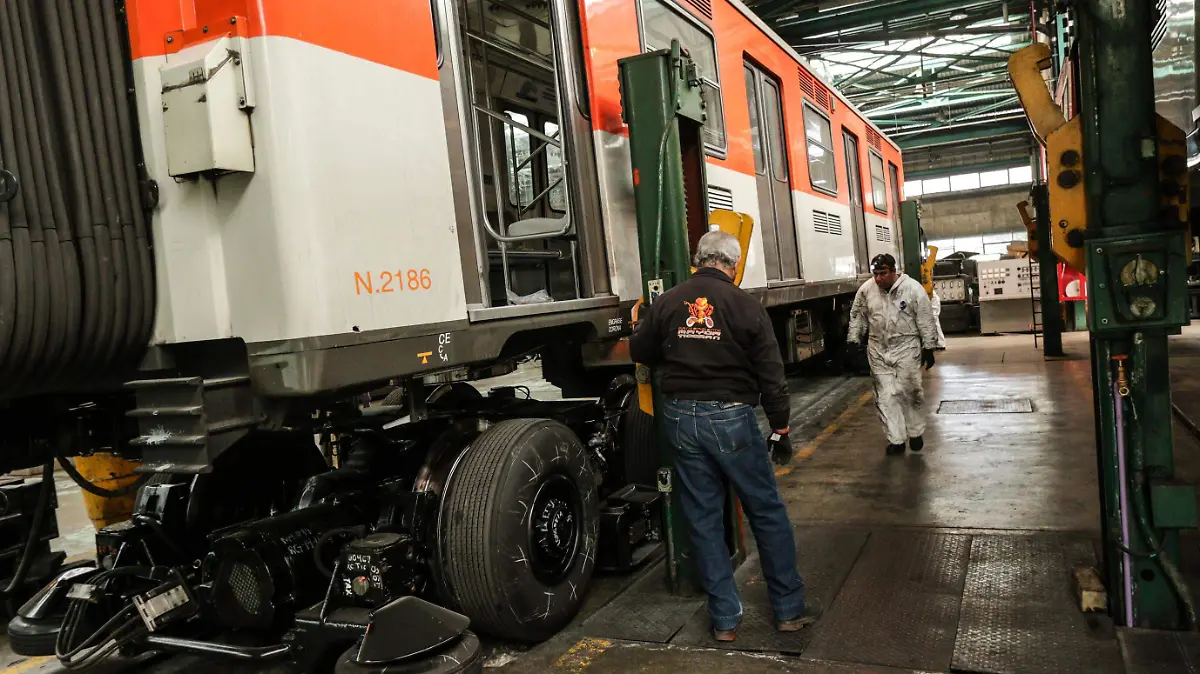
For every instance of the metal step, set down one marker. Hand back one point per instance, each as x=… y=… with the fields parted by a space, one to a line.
x=184 y=423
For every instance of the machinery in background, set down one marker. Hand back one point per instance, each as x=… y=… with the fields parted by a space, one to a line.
x=1006 y=289
x=956 y=281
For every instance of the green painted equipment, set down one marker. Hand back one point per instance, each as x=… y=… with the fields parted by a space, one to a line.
x=1137 y=297
x=663 y=106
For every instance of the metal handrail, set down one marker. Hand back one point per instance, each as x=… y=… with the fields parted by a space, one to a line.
x=535 y=153
x=541 y=195
x=534 y=61
x=514 y=123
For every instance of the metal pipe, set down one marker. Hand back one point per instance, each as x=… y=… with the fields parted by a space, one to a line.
x=1126 y=562
x=197 y=647
x=540 y=195
x=551 y=140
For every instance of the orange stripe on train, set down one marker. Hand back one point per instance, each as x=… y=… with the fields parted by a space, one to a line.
x=394 y=33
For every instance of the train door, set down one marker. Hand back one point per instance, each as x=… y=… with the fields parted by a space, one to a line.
x=897 y=227
x=529 y=168
x=858 y=217
x=771 y=173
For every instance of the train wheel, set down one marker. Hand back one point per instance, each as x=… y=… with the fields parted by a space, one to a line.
x=465 y=656
x=517 y=530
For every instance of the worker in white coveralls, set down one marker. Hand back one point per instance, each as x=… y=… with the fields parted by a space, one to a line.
x=936 y=303
x=894 y=312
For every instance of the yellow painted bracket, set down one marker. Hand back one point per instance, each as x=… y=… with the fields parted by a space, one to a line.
x=741 y=226
x=109 y=472
x=1063 y=140
x=1030 y=228
x=927 y=271
x=1025 y=68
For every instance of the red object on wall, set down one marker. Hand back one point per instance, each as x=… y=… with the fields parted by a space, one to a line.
x=1068 y=289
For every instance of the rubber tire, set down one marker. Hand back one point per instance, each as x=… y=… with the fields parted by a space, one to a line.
x=464 y=657
x=398 y=396
x=484 y=531
x=32 y=638
x=639 y=451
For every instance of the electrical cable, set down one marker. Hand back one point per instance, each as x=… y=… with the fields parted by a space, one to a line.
x=35 y=530
x=90 y=487
x=60 y=240
x=1137 y=478
x=82 y=71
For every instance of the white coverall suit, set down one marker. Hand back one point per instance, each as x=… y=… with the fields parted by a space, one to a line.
x=901 y=325
x=936 y=303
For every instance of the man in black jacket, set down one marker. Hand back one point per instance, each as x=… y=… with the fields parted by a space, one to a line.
x=714 y=348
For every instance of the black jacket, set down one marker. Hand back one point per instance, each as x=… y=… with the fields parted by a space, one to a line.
x=710 y=341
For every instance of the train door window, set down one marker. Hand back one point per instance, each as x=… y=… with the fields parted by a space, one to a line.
x=857 y=214
x=878 y=183
x=771 y=176
x=554 y=171
x=661 y=22
x=897 y=227
x=774 y=121
x=520 y=170
x=760 y=164
x=818 y=135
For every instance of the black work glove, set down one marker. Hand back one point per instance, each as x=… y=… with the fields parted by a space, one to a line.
x=850 y=356
x=927 y=358
x=781 y=448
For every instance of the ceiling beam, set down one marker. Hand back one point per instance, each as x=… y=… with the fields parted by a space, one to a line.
x=817 y=23
x=961 y=134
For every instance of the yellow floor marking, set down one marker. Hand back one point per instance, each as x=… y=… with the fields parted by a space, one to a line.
x=580 y=656
x=27 y=665
x=824 y=435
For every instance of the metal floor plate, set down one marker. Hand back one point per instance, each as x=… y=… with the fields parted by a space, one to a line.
x=996 y=406
x=1159 y=651
x=1019 y=613
x=899 y=607
x=825 y=557
x=647 y=611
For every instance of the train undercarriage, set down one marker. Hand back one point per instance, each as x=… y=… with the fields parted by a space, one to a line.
x=497 y=507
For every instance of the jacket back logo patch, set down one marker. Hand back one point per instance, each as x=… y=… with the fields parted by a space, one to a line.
x=699 y=324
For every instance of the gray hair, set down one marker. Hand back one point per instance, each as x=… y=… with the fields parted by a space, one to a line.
x=718 y=249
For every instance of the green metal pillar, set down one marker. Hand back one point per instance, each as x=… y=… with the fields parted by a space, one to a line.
x=914 y=237
x=1137 y=296
x=1052 y=319
x=662 y=103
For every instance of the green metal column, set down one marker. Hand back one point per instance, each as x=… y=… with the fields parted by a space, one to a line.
x=1138 y=295
x=910 y=227
x=663 y=106
x=1052 y=320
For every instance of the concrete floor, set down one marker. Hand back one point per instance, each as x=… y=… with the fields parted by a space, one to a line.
x=982 y=478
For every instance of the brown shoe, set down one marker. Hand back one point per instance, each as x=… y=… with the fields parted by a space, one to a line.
x=812 y=612
x=724 y=635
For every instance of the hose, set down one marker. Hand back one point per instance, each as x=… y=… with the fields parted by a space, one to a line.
x=78 y=478
x=35 y=530
x=662 y=154
x=1142 y=515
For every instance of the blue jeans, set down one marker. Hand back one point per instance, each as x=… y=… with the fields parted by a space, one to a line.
x=715 y=442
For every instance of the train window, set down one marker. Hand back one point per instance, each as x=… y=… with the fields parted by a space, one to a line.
x=775 y=137
x=819 y=136
x=878 y=183
x=516 y=145
x=760 y=166
x=662 y=22
x=554 y=171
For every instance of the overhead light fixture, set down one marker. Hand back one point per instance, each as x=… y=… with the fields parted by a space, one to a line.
x=959 y=17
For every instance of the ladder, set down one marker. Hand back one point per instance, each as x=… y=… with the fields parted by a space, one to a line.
x=1035 y=302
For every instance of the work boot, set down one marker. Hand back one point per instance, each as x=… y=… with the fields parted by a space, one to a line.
x=895 y=449
x=725 y=635
x=812 y=612
x=916 y=444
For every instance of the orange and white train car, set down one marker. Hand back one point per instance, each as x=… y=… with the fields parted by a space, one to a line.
x=358 y=191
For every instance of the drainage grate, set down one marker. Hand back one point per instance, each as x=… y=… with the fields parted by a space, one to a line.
x=1001 y=406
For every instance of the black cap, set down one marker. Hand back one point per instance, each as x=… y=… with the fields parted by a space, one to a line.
x=883 y=260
